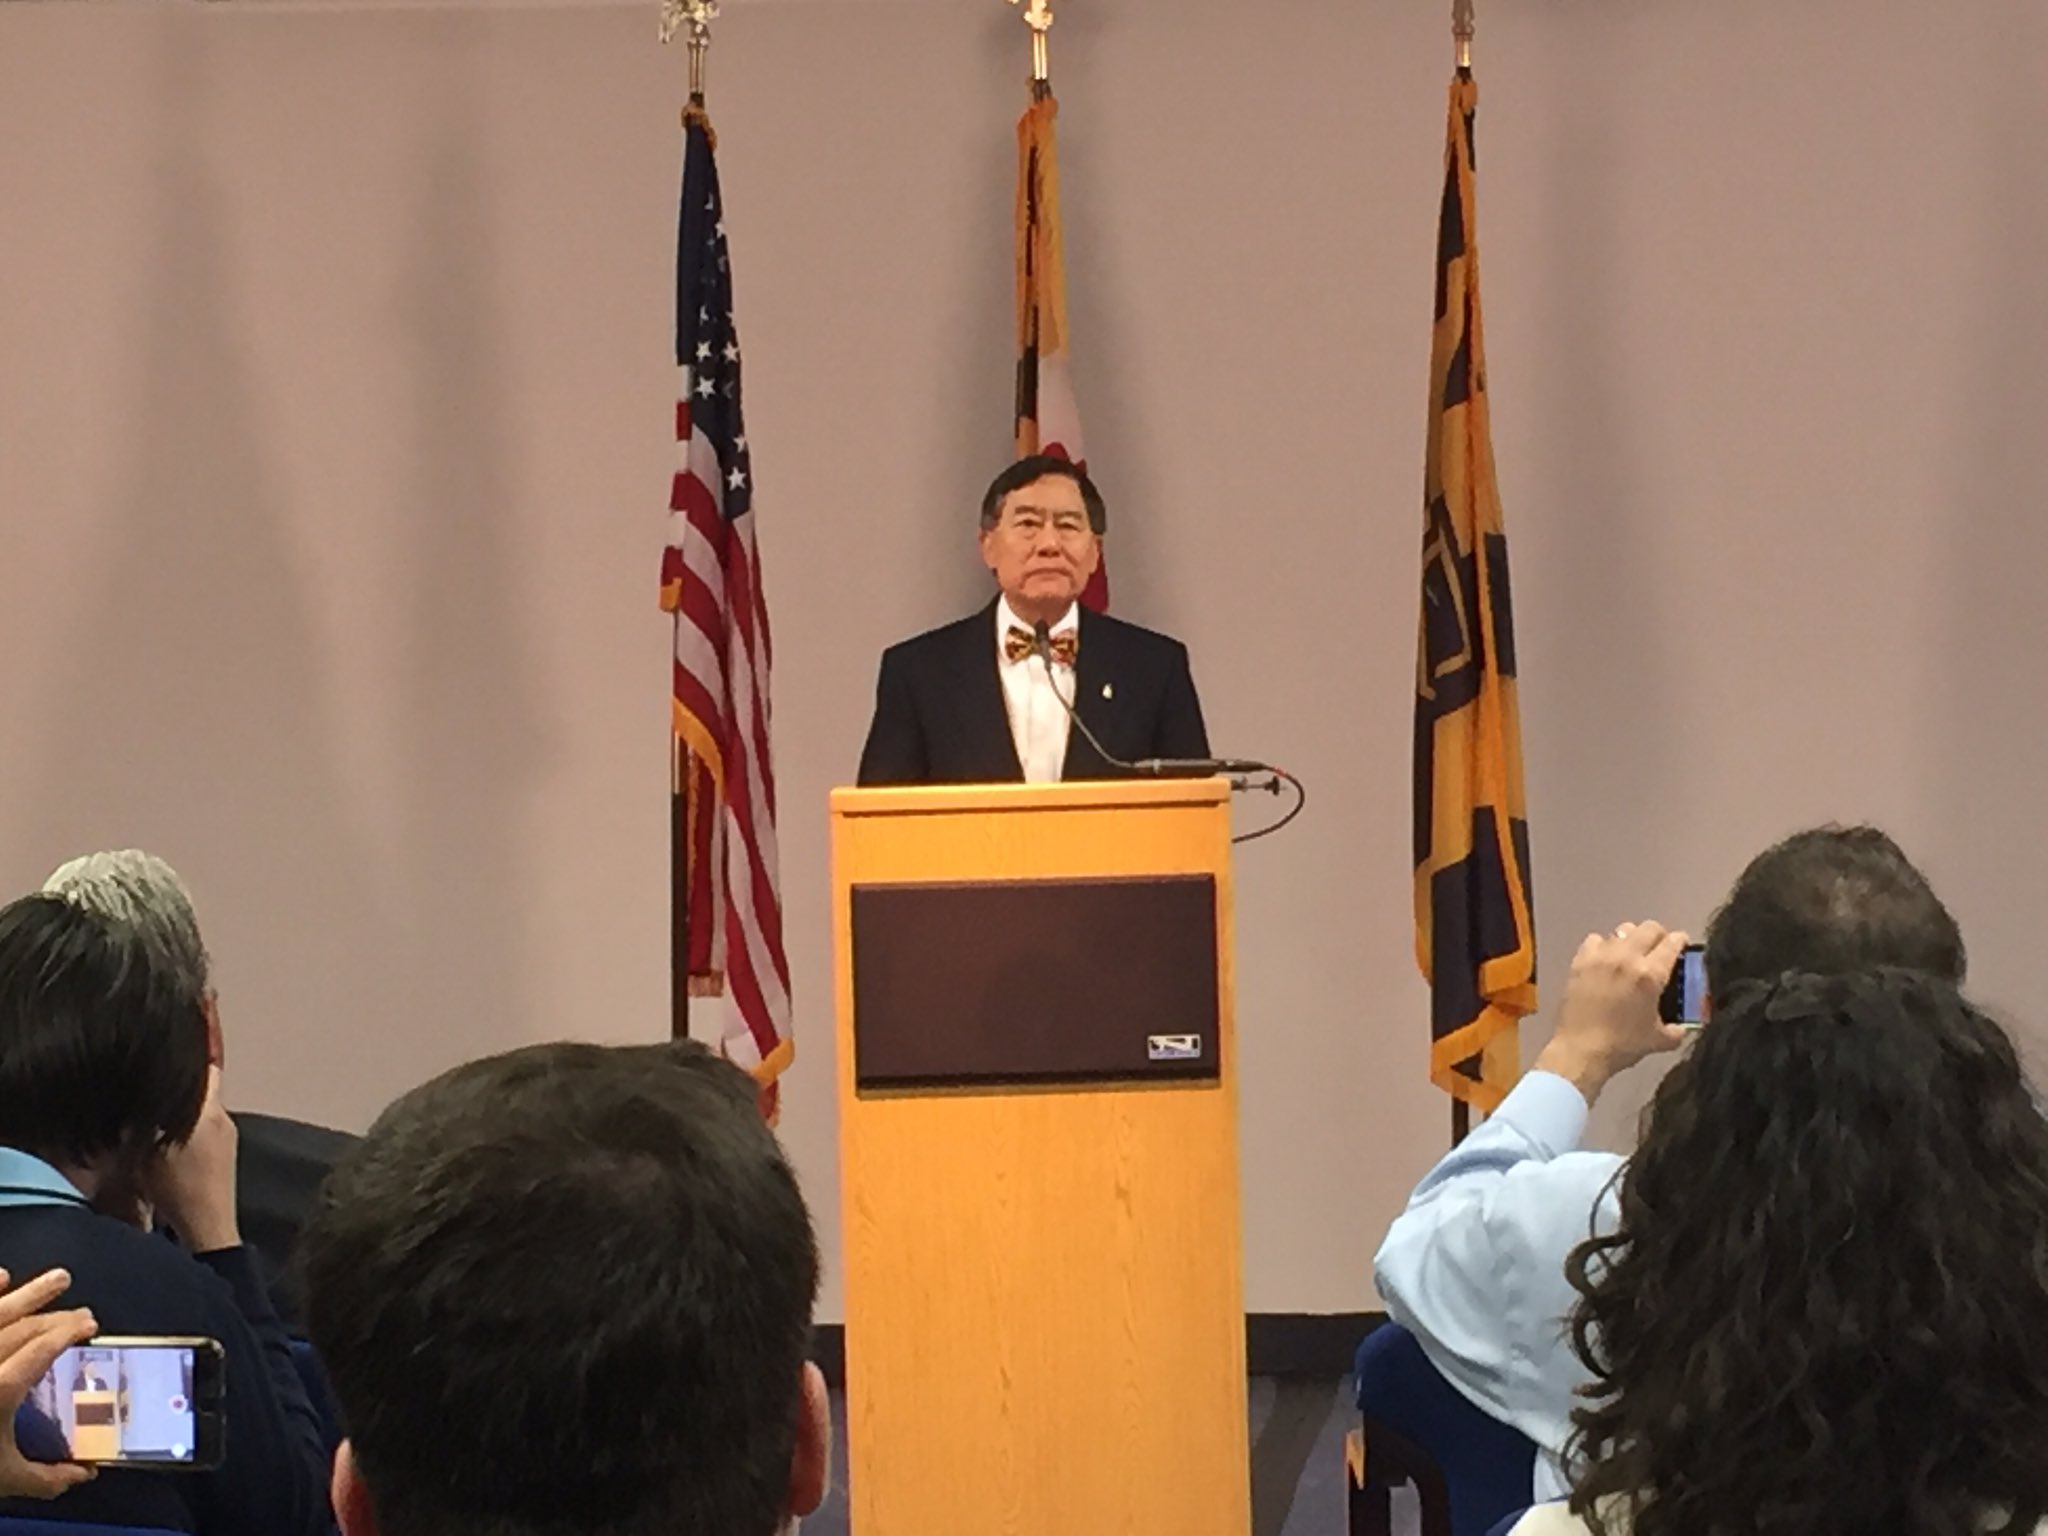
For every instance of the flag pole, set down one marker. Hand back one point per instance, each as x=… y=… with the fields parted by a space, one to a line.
x=1463 y=24
x=676 y=16
x=1038 y=17
x=678 y=890
x=694 y=16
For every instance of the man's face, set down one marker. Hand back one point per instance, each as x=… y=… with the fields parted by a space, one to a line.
x=1041 y=549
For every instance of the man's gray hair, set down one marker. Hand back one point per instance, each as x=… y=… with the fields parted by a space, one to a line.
x=142 y=891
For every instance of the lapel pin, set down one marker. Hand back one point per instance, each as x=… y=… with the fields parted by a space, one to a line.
x=1109 y=690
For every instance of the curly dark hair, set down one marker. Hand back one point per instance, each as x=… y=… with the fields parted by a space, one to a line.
x=1824 y=1310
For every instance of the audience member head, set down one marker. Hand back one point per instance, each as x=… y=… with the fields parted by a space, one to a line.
x=1827 y=901
x=569 y=1289
x=1042 y=523
x=1825 y=1306
x=1831 y=900
x=144 y=892
x=103 y=1047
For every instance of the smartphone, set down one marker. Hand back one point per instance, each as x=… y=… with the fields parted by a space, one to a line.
x=152 y=1403
x=1685 y=994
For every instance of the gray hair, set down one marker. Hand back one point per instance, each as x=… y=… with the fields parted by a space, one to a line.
x=143 y=892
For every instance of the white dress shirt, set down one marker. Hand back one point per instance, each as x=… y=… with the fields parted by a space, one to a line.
x=1038 y=720
x=1474 y=1268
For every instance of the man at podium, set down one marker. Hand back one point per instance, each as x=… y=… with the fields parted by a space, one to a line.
x=985 y=699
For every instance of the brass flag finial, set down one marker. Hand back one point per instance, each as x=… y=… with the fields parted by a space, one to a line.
x=696 y=16
x=1038 y=17
x=1462 y=27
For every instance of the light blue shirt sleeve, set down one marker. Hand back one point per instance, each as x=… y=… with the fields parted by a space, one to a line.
x=1474 y=1267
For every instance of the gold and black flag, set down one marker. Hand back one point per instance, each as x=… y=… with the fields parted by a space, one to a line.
x=1475 y=935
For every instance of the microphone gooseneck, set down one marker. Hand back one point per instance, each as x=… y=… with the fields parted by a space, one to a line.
x=1041 y=643
x=1237 y=769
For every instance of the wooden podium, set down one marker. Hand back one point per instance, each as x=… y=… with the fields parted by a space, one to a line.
x=1038 y=1153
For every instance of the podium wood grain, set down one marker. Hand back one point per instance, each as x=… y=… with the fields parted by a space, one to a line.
x=1044 y=1292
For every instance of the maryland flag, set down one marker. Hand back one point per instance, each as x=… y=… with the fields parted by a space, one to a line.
x=1048 y=421
x=1475 y=937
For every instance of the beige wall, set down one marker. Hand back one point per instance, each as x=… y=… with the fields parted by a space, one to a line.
x=333 y=405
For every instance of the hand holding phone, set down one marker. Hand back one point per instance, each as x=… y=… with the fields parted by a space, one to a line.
x=30 y=1340
x=151 y=1403
x=1609 y=1019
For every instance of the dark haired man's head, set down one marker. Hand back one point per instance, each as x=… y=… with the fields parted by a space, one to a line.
x=1825 y=1306
x=568 y=1290
x=1831 y=901
x=1042 y=523
x=1025 y=475
x=103 y=1042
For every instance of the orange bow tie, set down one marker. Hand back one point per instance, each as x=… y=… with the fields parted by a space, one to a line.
x=1018 y=644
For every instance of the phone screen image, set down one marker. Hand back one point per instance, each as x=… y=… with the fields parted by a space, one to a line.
x=128 y=1403
x=1685 y=995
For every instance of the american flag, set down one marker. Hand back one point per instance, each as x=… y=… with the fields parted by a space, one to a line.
x=1048 y=419
x=711 y=581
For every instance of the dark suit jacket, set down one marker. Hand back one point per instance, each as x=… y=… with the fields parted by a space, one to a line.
x=940 y=716
x=279 y=1166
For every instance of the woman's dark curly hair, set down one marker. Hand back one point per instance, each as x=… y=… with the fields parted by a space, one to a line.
x=1825 y=1308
